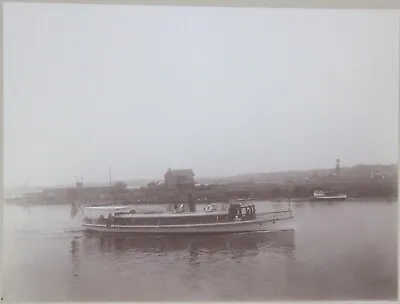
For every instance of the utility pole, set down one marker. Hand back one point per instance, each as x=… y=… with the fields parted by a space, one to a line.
x=109 y=176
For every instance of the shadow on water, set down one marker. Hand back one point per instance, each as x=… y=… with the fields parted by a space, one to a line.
x=195 y=261
x=245 y=243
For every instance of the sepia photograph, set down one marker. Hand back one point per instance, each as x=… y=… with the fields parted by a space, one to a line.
x=199 y=153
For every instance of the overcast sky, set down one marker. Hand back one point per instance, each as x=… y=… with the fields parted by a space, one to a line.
x=221 y=90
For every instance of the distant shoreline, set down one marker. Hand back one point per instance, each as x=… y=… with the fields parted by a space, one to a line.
x=363 y=189
x=357 y=172
x=276 y=201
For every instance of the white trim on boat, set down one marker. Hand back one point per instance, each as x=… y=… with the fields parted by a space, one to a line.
x=190 y=225
x=281 y=224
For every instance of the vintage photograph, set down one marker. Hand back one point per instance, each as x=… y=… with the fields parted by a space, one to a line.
x=183 y=153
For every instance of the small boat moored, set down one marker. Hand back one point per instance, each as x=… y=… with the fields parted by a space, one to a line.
x=321 y=195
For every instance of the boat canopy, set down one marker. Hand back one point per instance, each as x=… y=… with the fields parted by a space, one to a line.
x=100 y=208
x=172 y=215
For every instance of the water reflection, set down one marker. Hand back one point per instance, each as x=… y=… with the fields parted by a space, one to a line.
x=75 y=258
x=237 y=244
x=345 y=251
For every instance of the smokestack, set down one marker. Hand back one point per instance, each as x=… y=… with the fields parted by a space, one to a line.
x=192 y=205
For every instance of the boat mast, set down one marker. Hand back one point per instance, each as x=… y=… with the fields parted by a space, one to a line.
x=109 y=179
x=290 y=205
x=77 y=202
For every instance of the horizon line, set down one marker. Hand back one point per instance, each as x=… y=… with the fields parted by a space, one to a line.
x=201 y=177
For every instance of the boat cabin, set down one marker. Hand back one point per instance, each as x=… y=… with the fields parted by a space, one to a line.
x=239 y=212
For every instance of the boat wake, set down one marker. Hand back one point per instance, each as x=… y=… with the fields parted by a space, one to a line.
x=73 y=230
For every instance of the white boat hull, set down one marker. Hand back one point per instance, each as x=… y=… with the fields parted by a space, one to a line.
x=331 y=198
x=281 y=224
x=321 y=195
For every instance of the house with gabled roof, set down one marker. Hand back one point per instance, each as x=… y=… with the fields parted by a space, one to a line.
x=179 y=178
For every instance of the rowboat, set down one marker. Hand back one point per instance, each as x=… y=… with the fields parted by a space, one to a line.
x=229 y=218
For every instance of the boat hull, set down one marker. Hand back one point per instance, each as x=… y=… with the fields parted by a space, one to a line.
x=322 y=196
x=281 y=224
x=333 y=198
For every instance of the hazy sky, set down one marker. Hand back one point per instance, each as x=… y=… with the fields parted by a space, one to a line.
x=220 y=90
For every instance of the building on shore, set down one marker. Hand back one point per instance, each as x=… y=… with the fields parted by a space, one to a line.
x=337 y=168
x=183 y=178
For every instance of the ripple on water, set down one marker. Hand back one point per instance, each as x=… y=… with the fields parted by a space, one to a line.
x=324 y=259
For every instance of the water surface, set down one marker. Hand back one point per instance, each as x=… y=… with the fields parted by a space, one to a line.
x=339 y=251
